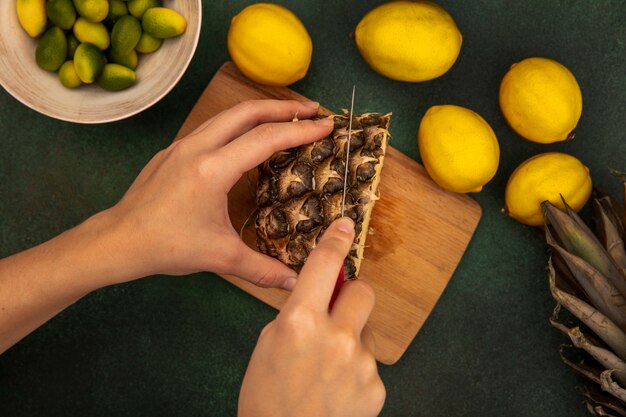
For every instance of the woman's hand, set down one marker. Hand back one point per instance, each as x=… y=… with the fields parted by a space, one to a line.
x=175 y=214
x=173 y=220
x=312 y=362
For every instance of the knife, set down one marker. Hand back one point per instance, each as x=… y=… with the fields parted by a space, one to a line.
x=341 y=277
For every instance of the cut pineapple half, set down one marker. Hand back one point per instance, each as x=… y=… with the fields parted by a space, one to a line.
x=300 y=190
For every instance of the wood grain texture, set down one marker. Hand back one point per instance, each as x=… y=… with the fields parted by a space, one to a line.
x=418 y=231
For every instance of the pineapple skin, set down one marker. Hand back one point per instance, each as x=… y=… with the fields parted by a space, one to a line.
x=299 y=190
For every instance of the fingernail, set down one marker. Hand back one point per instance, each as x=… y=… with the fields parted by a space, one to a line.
x=345 y=225
x=289 y=284
x=325 y=122
x=311 y=104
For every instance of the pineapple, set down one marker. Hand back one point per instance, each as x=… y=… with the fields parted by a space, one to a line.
x=300 y=190
x=588 y=278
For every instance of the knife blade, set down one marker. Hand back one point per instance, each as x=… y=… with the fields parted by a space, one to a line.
x=341 y=277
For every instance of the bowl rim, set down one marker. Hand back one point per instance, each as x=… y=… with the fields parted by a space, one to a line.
x=111 y=119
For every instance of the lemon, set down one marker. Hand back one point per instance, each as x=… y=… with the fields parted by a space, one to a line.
x=93 y=10
x=269 y=44
x=52 y=49
x=148 y=43
x=32 y=16
x=116 y=77
x=68 y=76
x=546 y=176
x=163 y=23
x=129 y=60
x=117 y=9
x=409 y=40
x=61 y=13
x=138 y=7
x=72 y=44
x=125 y=35
x=94 y=33
x=88 y=61
x=459 y=149
x=541 y=100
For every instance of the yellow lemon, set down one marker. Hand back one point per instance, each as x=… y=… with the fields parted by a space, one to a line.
x=459 y=149
x=32 y=16
x=546 y=176
x=269 y=44
x=409 y=40
x=541 y=100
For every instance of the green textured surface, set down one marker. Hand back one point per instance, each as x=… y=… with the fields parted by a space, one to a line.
x=179 y=346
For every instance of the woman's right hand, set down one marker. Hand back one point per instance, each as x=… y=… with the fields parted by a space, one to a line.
x=312 y=362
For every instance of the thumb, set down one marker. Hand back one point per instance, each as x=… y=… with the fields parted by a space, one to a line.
x=263 y=270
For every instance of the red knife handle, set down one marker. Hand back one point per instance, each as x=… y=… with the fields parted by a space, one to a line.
x=338 y=284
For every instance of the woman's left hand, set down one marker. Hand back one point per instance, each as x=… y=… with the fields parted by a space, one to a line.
x=174 y=218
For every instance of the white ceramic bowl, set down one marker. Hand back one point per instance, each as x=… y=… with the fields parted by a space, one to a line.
x=41 y=90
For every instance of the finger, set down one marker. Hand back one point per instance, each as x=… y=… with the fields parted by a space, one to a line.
x=318 y=276
x=368 y=340
x=354 y=305
x=234 y=122
x=262 y=142
x=262 y=270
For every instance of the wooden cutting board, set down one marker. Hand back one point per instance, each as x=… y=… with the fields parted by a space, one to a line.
x=418 y=231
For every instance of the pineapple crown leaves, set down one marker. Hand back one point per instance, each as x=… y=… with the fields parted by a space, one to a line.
x=604 y=362
x=588 y=278
x=576 y=238
x=603 y=378
x=610 y=229
x=590 y=344
x=603 y=400
x=600 y=324
x=609 y=385
x=600 y=291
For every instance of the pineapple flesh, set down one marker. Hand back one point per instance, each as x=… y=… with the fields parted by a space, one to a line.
x=300 y=190
x=588 y=279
